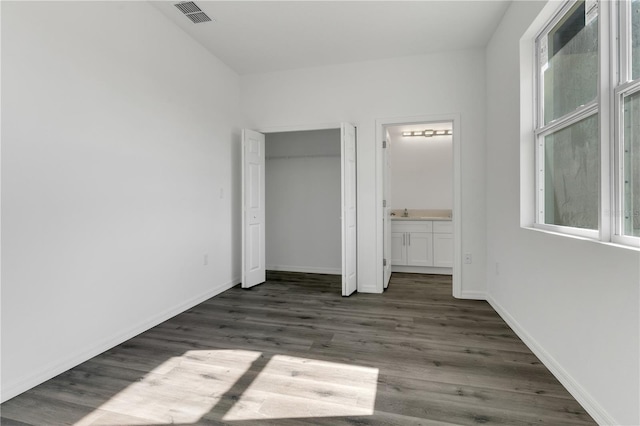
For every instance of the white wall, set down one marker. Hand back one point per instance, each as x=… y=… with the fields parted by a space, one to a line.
x=363 y=92
x=421 y=173
x=118 y=134
x=303 y=201
x=575 y=302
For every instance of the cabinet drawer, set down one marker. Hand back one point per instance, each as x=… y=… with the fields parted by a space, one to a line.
x=411 y=226
x=443 y=227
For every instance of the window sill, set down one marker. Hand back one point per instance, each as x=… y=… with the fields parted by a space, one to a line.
x=581 y=238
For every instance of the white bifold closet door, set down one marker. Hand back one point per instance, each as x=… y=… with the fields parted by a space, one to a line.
x=253 y=220
x=349 y=210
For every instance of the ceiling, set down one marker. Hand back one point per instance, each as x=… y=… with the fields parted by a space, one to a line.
x=262 y=36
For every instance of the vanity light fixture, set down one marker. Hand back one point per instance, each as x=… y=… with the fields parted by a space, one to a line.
x=429 y=133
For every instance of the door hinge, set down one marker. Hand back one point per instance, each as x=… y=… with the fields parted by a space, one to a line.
x=384 y=203
x=384 y=262
x=384 y=144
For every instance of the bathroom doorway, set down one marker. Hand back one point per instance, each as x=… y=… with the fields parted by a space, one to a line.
x=420 y=192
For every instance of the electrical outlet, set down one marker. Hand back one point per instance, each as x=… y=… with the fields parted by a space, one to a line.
x=467 y=258
x=205 y=260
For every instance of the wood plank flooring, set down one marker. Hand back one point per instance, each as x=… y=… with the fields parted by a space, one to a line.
x=293 y=351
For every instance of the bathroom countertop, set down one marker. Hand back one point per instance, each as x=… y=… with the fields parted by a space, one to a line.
x=420 y=218
x=421 y=214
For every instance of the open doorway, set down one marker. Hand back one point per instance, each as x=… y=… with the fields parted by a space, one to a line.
x=303 y=201
x=420 y=195
x=299 y=204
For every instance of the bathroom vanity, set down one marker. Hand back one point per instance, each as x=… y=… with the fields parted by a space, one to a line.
x=422 y=242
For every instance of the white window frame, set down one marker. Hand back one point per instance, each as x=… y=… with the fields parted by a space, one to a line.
x=612 y=86
x=623 y=86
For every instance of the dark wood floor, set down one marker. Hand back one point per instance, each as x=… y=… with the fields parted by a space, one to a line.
x=293 y=351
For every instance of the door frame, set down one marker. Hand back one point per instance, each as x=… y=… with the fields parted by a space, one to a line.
x=301 y=128
x=323 y=126
x=381 y=124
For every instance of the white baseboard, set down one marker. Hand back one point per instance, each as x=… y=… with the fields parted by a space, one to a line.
x=51 y=370
x=599 y=414
x=422 y=270
x=307 y=269
x=473 y=295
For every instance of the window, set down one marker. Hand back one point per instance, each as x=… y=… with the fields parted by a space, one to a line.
x=634 y=23
x=571 y=175
x=627 y=105
x=631 y=165
x=569 y=59
x=588 y=106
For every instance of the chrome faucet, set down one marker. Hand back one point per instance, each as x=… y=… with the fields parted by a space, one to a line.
x=406 y=213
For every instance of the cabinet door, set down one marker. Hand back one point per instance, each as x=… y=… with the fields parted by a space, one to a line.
x=419 y=249
x=398 y=249
x=443 y=250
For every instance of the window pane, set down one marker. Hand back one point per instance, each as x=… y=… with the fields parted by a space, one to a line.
x=572 y=175
x=635 y=39
x=631 y=182
x=570 y=78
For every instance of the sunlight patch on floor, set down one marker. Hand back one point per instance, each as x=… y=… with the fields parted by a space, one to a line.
x=181 y=390
x=292 y=387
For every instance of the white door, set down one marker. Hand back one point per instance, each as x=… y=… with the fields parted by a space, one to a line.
x=253 y=245
x=349 y=247
x=386 y=212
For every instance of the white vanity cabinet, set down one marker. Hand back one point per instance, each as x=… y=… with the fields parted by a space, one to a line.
x=398 y=248
x=412 y=243
x=443 y=244
x=422 y=246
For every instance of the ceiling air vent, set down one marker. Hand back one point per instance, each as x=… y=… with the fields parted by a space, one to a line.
x=193 y=12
